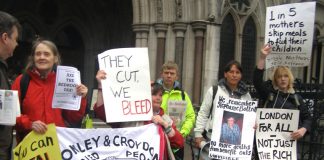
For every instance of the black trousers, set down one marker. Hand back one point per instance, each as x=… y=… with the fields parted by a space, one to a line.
x=179 y=154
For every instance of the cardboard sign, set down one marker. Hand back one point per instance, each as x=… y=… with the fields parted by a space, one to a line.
x=127 y=90
x=233 y=132
x=273 y=133
x=289 y=30
x=39 y=146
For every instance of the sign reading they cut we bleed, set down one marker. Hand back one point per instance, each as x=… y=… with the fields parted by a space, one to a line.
x=126 y=90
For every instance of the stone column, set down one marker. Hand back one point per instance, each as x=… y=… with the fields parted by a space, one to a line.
x=211 y=57
x=179 y=28
x=238 y=50
x=160 y=29
x=199 y=28
x=141 y=31
x=321 y=77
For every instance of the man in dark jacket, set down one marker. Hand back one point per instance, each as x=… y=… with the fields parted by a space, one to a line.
x=9 y=27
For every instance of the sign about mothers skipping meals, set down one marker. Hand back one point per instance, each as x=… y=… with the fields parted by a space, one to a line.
x=289 y=30
x=233 y=128
x=273 y=138
x=126 y=90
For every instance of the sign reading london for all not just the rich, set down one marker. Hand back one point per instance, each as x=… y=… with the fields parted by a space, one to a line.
x=126 y=89
x=289 y=30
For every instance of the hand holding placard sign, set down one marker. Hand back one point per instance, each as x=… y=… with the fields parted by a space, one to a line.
x=273 y=133
x=39 y=146
x=126 y=90
x=65 y=94
x=233 y=133
x=9 y=107
x=177 y=111
x=289 y=30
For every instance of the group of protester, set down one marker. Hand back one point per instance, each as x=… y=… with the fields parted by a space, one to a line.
x=36 y=101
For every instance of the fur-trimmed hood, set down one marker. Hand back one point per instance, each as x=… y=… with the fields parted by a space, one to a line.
x=241 y=87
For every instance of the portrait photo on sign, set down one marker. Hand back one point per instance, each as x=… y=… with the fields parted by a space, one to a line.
x=231 y=130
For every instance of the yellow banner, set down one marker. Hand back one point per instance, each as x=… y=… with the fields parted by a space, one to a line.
x=39 y=146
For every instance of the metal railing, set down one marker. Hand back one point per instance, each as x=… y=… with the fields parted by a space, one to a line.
x=311 y=147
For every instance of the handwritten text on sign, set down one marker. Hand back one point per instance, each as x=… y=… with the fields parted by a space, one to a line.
x=289 y=30
x=126 y=91
x=232 y=140
x=39 y=146
x=273 y=133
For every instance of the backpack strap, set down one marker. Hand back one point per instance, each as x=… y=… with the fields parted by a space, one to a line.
x=24 y=82
x=183 y=95
x=215 y=88
x=269 y=98
x=296 y=101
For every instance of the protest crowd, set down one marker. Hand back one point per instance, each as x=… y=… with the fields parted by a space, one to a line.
x=154 y=119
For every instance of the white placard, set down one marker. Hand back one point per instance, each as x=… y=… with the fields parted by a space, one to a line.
x=65 y=95
x=177 y=111
x=273 y=138
x=233 y=128
x=9 y=107
x=127 y=90
x=289 y=30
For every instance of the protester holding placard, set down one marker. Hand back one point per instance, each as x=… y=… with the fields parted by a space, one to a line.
x=99 y=107
x=174 y=136
x=36 y=109
x=174 y=93
x=279 y=92
x=233 y=87
x=9 y=30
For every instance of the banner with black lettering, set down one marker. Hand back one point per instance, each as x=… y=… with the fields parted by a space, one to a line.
x=106 y=143
x=233 y=128
x=273 y=133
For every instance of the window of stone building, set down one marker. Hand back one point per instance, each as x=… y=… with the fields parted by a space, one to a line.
x=248 y=49
x=71 y=47
x=318 y=60
x=227 y=43
x=312 y=72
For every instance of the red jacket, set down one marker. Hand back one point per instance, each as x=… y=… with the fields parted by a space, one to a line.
x=177 y=141
x=37 y=105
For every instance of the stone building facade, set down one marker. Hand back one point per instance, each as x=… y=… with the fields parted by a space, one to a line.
x=199 y=35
